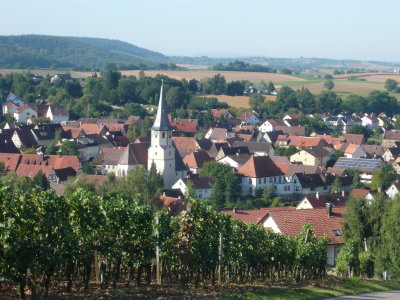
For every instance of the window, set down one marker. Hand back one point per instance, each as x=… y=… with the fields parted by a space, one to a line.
x=288 y=188
x=249 y=180
x=275 y=187
x=259 y=181
x=163 y=135
x=280 y=179
x=274 y=179
x=265 y=180
x=250 y=191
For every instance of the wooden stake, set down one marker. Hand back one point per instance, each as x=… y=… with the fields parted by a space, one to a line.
x=158 y=266
x=220 y=258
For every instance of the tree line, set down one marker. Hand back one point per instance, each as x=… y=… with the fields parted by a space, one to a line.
x=46 y=238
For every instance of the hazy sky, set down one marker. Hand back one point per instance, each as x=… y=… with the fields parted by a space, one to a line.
x=342 y=29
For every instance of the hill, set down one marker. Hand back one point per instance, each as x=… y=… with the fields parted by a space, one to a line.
x=43 y=51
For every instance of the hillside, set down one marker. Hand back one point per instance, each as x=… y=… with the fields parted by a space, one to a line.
x=42 y=51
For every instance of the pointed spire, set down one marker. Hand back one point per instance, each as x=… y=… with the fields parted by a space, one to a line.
x=162 y=122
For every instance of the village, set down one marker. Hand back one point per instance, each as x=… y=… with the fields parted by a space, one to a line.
x=309 y=178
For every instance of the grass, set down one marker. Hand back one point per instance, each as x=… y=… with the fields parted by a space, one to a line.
x=350 y=286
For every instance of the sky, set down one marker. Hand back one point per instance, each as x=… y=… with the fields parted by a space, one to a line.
x=341 y=29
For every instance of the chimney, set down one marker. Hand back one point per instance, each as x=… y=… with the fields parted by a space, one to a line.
x=329 y=209
x=234 y=210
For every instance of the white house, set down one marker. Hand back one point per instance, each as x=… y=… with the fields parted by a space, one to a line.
x=249 y=118
x=354 y=151
x=25 y=112
x=393 y=190
x=370 y=122
x=202 y=186
x=57 y=113
x=270 y=125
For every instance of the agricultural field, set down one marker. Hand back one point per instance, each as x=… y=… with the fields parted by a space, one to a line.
x=229 y=75
x=44 y=72
x=237 y=101
x=343 y=86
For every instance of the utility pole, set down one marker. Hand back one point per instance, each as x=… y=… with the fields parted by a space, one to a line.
x=220 y=258
x=158 y=267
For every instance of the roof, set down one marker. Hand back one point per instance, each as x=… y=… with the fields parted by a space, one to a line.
x=292 y=130
x=310 y=180
x=174 y=205
x=253 y=216
x=392 y=135
x=161 y=122
x=245 y=116
x=59 y=110
x=358 y=193
x=273 y=135
x=354 y=138
x=184 y=125
x=240 y=159
x=109 y=157
x=217 y=113
x=373 y=149
x=7 y=145
x=218 y=133
x=351 y=148
x=361 y=164
x=275 y=122
x=185 y=145
x=291 y=169
x=133 y=119
x=280 y=159
x=91 y=128
x=301 y=141
x=317 y=151
x=200 y=183
x=320 y=201
x=26 y=137
x=196 y=159
x=290 y=222
x=234 y=150
x=204 y=144
x=260 y=166
x=253 y=146
x=135 y=154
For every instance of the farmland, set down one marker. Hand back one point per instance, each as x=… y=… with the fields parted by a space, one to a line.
x=237 y=101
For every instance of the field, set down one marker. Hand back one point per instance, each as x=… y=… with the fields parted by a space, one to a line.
x=229 y=75
x=42 y=72
x=237 y=101
x=343 y=86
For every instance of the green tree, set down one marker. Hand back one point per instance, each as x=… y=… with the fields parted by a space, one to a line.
x=336 y=186
x=40 y=180
x=383 y=177
x=329 y=85
x=217 y=84
x=328 y=101
x=69 y=148
x=133 y=132
x=235 y=88
x=348 y=262
x=391 y=85
x=256 y=101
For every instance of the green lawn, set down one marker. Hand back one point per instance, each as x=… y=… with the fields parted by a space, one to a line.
x=316 y=291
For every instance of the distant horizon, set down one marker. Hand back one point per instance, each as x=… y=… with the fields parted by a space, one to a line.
x=215 y=55
x=341 y=29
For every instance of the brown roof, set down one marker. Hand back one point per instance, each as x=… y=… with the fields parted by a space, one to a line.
x=260 y=166
x=245 y=116
x=320 y=201
x=351 y=148
x=358 y=193
x=109 y=156
x=373 y=149
x=185 y=145
x=275 y=122
x=91 y=128
x=184 y=125
x=280 y=159
x=217 y=113
x=253 y=216
x=292 y=130
x=392 y=135
x=219 y=133
x=135 y=154
x=290 y=222
x=196 y=159
x=301 y=141
x=354 y=138
x=174 y=205
x=290 y=169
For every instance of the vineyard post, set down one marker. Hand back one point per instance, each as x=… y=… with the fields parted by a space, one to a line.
x=96 y=267
x=158 y=267
x=220 y=258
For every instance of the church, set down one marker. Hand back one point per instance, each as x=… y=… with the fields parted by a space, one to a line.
x=162 y=151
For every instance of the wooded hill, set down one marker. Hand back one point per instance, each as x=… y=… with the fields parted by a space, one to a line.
x=42 y=51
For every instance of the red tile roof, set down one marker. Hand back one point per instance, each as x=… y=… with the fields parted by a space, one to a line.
x=253 y=216
x=185 y=145
x=217 y=113
x=358 y=193
x=290 y=222
x=301 y=141
x=354 y=138
x=196 y=159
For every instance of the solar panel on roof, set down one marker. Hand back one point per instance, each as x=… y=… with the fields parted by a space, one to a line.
x=357 y=163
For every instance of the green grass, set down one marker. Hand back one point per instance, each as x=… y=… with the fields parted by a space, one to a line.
x=294 y=83
x=316 y=291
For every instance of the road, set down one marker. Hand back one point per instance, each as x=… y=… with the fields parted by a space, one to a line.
x=389 y=295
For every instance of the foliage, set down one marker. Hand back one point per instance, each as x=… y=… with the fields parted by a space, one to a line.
x=329 y=84
x=285 y=151
x=391 y=85
x=383 y=177
x=69 y=148
x=242 y=66
x=348 y=262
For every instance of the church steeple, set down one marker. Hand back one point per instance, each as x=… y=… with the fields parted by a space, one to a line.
x=161 y=122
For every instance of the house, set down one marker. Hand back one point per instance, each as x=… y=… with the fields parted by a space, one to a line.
x=202 y=186
x=219 y=112
x=391 y=154
x=370 y=122
x=256 y=148
x=301 y=141
x=253 y=216
x=269 y=137
x=318 y=183
x=57 y=113
x=292 y=130
x=24 y=138
x=255 y=90
x=324 y=221
x=225 y=151
x=311 y=156
x=320 y=201
x=362 y=193
x=106 y=161
x=390 y=137
x=235 y=160
x=57 y=168
x=9 y=108
x=354 y=151
x=25 y=112
x=134 y=155
x=366 y=166
x=6 y=144
x=185 y=145
x=340 y=124
x=393 y=190
x=249 y=118
x=184 y=127
x=195 y=160
x=260 y=172
x=270 y=125
x=373 y=150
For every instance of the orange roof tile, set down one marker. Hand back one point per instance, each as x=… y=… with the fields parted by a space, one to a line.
x=260 y=166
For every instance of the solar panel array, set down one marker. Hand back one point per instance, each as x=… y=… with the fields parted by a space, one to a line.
x=358 y=164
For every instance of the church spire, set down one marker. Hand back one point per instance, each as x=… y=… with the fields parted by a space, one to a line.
x=162 y=122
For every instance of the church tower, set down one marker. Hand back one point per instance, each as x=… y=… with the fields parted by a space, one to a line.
x=162 y=150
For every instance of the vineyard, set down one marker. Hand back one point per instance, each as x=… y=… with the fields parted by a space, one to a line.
x=46 y=239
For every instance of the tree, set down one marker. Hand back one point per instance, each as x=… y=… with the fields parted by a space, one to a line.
x=391 y=85
x=175 y=97
x=133 y=132
x=329 y=85
x=348 y=262
x=271 y=87
x=217 y=84
x=381 y=101
x=111 y=78
x=256 y=101
x=306 y=101
x=336 y=186
x=355 y=103
x=383 y=177
x=69 y=148
x=74 y=89
x=235 y=88
x=329 y=102
x=135 y=110
x=40 y=180
x=127 y=90
x=193 y=85
x=52 y=148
